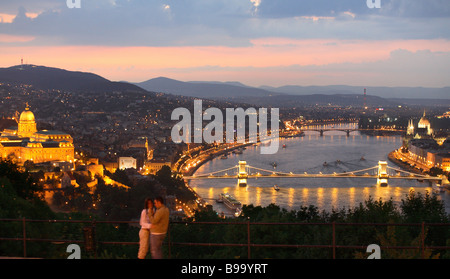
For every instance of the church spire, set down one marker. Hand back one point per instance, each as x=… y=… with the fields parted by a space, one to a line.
x=410 y=129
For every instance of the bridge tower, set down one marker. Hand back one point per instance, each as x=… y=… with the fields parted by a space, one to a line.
x=383 y=176
x=242 y=175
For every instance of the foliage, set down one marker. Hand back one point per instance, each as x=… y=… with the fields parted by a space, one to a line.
x=173 y=184
x=19 y=199
x=308 y=234
x=309 y=229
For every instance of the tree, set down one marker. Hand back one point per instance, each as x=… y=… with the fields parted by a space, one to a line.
x=122 y=177
x=24 y=184
x=418 y=208
x=173 y=184
x=19 y=198
x=164 y=175
x=29 y=165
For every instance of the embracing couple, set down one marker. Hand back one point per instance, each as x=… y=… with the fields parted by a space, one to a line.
x=154 y=223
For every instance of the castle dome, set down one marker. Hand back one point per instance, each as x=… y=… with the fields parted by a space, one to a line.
x=26 y=116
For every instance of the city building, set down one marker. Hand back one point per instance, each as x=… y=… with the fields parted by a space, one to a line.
x=423 y=129
x=429 y=153
x=444 y=115
x=127 y=163
x=25 y=143
x=141 y=143
x=443 y=161
x=155 y=165
x=68 y=180
x=425 y=148
x=110 y=166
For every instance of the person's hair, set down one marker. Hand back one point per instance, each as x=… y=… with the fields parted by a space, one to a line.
x=160 y=199
x=146 y=202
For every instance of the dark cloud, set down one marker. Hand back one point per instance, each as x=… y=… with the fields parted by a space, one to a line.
x=222 y=22
x=295 y=8
x=397 y=8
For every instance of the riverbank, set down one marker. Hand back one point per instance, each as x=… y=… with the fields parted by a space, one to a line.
x=406 y=165
x=212 y=156
x=224 y=211
x=221 y=152
x=402 y=164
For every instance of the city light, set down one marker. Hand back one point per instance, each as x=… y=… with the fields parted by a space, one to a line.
x=245 y=122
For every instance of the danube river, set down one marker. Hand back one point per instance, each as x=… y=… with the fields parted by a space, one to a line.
x=308 y=154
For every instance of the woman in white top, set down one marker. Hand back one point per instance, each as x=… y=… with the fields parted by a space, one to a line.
x=144 y=233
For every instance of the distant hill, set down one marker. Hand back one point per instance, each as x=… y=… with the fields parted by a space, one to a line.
x=53 y=78
x=384 y=92
x=286 y=96
x=209 y=90
x=299 y=95
x=216 y=90
x=289 y=101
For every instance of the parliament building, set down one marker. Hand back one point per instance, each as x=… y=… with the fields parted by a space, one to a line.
x=25 y=143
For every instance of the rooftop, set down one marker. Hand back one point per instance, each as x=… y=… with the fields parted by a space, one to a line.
x=51 y=132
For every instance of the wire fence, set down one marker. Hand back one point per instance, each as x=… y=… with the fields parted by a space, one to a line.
x=90 y=240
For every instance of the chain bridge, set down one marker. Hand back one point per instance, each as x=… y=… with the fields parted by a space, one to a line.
x=381 y=172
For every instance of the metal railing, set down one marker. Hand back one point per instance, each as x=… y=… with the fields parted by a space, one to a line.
x=333 y=245
x=89 y=240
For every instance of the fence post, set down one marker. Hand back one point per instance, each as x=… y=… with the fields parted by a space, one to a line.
x=422 y=236
x=89 y=239
x=334 y=240
x=168 y=240
x=24 y=235
x=248 y=239
x=94 y=237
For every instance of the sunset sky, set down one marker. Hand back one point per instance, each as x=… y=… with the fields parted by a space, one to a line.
x=256 y=42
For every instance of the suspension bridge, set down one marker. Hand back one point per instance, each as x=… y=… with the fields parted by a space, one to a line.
x=381 y=172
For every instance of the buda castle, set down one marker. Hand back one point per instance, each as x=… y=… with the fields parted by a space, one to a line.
x=25 y=142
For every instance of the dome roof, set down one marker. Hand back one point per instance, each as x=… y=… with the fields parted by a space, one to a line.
x=27 y=116
x=424 y=121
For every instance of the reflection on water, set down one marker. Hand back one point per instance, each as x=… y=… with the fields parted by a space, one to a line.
x=308 y=154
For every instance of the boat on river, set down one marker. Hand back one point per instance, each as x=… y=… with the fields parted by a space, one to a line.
x=229 y=201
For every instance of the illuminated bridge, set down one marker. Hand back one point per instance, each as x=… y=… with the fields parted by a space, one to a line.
x=347 y=130
x=382 y=172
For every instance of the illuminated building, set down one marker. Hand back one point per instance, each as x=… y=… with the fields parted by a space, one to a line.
x=127 y=163
x=410 y=130
x=423 y=130
x=26 y=143
x=424 y=126
x=155 y=165
x=424 y=148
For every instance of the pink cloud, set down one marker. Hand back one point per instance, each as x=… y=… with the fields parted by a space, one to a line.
x=259 y=63
x=6 y=38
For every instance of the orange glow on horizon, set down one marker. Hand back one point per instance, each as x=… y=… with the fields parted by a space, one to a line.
x=136 y=64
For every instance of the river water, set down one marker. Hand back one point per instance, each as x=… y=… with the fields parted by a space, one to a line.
x=308 y=154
